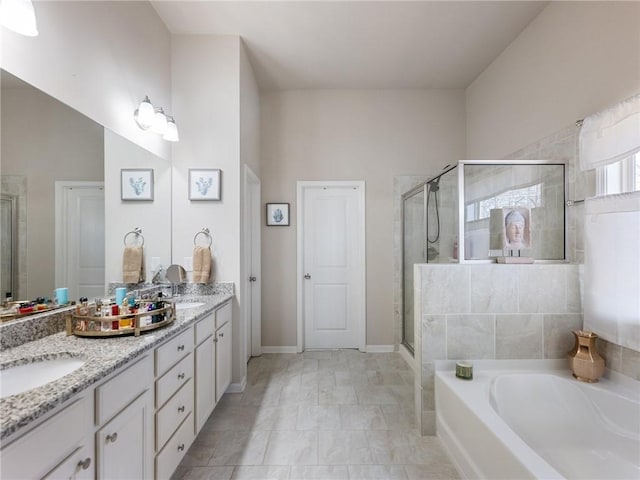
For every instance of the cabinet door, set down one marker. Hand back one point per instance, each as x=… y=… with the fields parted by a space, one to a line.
x=124 y=446
x=78 y=466
x=205 y=398
x=223 y=360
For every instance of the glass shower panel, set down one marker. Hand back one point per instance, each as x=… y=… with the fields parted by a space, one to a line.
x=413 y=233
x=539 y=187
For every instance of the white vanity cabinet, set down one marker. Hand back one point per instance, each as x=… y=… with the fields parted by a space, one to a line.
x=205 y=371
x=124 y=414
x=60 y=447
x=223 y=350
x=174 y=402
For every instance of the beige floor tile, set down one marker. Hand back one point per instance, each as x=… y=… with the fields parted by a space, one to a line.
x=362 y=417
x=230 y=447
x=233 y=417
x=292 y=447
x=343 y=447
x=261 y=473
x=203 y=473
x=318 y=417
x=198 y=455
x=376 y=395
x=320 y=379
x=337 y=395
x=374 y=472
x=277 y=418
x=320 y=472
x=299 y=395
x=444 y=471
x=408 y=448
x=377 y=377
x=351 y=378
x=399 y=417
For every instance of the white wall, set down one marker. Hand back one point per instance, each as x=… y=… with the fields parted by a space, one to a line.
x=121 y=217
x=370 y=135
x=46 y=141
x=574 y=59
x=100 y=58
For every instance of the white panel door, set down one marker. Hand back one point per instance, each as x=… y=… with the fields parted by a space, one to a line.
x=81 y=223
x=333 y=266
x=252 y=304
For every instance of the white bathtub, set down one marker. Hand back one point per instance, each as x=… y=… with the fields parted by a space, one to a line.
x=537 y=421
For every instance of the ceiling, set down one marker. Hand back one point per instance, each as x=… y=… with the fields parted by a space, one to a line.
x=359 y=44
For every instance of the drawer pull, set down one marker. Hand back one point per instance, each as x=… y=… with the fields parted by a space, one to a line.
x=181 y=447
x=181 y=409
x=215 y=340
x=112 y=438
x=221 y=334
x=84 y=464
x=180 y=376
x=180 y=348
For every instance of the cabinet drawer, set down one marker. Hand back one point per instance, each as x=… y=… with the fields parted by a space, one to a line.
x=43 y=448
x=171 y=381
x=117 y=393
x=80 y=465
x=223 y=314
x=171 y=352
x=204 y=329
x=169 y=458
x=173 y=413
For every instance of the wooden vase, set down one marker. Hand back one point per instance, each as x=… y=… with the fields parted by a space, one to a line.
x=584 y=360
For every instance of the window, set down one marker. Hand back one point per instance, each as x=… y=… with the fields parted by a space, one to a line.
x=619 y=177
x=530 y=196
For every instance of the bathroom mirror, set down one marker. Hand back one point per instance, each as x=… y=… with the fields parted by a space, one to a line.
x=49 y=148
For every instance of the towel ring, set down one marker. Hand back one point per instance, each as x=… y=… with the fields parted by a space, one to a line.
x=137 y=232
x=204 y=231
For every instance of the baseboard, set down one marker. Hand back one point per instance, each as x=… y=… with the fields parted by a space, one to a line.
x=380 y=348
x=279 y=349
x=238 y=387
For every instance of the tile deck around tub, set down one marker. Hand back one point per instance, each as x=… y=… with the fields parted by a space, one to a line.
x=325 y=415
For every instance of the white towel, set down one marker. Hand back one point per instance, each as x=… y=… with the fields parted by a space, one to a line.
x=201 y=264
x=133 y=265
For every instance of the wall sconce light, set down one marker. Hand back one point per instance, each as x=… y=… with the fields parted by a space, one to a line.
x=155 y=120
x=19 y=16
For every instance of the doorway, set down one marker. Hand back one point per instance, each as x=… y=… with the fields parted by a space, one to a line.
x=331 y=265
x=80 y=234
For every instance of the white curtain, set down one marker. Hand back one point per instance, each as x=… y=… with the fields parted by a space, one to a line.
x=610 y=135
x=612 y=268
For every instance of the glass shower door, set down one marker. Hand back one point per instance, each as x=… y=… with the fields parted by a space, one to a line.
x=413 y=234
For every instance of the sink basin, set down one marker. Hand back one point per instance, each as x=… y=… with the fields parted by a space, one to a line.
x=187 y=305
x=20 y=378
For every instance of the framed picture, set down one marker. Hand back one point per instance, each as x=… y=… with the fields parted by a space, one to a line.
x=278 y=214
x=205 y=184
x=136 y=184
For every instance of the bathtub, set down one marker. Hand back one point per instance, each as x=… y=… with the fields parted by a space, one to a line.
x=532 y=419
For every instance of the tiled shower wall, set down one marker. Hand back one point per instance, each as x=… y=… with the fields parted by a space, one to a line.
x=490 y=311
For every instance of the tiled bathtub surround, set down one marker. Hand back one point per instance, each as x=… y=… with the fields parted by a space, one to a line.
x=490 y=311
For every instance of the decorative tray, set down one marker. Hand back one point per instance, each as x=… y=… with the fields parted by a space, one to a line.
x=116 y=325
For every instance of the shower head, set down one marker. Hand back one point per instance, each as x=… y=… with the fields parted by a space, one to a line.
x=434 y=184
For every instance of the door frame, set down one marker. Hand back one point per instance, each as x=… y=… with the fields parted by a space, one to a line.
x=61 y=264
x=301 y=187
x=253 y=322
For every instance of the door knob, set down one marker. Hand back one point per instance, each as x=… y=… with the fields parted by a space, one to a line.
x=307 y=276
x=252 y=279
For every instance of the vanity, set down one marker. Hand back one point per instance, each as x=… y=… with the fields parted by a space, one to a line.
x=133 y=406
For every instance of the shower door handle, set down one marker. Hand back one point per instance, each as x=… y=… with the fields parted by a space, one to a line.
x=307 y=277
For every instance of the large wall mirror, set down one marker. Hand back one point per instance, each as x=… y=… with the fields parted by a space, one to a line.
x=59 y=181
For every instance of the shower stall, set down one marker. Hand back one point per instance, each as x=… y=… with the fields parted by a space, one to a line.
x=447 y=218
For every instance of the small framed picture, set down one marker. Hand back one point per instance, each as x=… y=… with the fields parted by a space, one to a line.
x=205 y=184
x=277 y=214
x=136 y=184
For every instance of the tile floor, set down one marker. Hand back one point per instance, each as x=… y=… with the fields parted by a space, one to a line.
x=318 y=415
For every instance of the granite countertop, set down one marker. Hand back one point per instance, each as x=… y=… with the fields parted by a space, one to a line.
x=102 y=355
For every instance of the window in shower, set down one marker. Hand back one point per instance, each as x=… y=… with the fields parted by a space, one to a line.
x=537 y=185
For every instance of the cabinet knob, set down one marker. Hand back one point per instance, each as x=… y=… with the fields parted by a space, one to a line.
x=307 y=276
x=181 y=447
x=215 y=340
x=221 y=334
x=180 y=348
x=180 y=376
x=181 y=409
x=84 y=464
x=252 y=278
x=112 y=438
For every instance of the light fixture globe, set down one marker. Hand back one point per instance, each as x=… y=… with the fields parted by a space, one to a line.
x=171 y=135
x=159 y=125
x=19 y=16
x=144 y=114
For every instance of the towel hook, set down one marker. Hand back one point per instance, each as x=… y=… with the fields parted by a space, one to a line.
x=137 y=232
x=204 y=231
